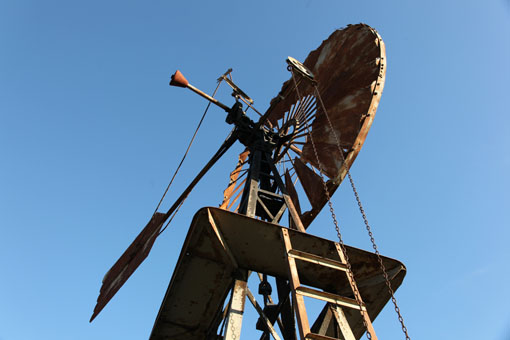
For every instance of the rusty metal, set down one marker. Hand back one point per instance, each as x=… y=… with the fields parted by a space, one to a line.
x=236 y=310
x=349 y=68
x=361 y=209
x=237 y=90
x=178 y=80
x=203 y=274
x=342 y=322
x=187 y=150
x=294 y=197
x=297 y=299
x=262 y=315
x=312 y=184
x=233 y=186
x=221 y=247
x=128 y=262
x=138 y=251
x=367 y=323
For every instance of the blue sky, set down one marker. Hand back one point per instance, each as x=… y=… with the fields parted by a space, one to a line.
x=90 y=133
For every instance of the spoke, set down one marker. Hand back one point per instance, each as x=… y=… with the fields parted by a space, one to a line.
x=289 y=114
x=311 y=107
x=239 y=170
x=292 y=110
x=297 y=110
x=299 y=136
x=309 y=117
x=296 y=150
x=307 y=103
x=290 y=157
x=292 y=173
x=309 y=114
x=237 y=196
x=277 y=126
x=303 y=104
x=301 y=107
x=245 y=171
x=306 y=122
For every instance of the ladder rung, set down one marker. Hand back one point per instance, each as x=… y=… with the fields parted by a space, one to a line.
x=314 y=336
x=328 y=297
x=301 y=255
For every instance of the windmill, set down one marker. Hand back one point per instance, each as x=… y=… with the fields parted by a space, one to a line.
x=296 y=155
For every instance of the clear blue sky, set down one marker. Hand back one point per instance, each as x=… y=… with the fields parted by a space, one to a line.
x=90 y=133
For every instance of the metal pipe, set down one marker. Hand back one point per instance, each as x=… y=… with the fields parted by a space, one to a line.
x=179 y=80
x=208 y=97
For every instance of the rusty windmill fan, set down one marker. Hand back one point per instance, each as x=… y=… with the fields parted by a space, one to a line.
x=349 y=70
x=309 y=137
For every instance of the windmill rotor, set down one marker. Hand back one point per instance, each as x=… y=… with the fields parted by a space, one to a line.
x=348 y=71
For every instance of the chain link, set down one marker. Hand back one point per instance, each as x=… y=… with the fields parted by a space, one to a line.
x=233 y=329
x=365 y=219
x=354 y=287
x=232 y=321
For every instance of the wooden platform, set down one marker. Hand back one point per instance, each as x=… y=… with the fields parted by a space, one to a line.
x=204 y=272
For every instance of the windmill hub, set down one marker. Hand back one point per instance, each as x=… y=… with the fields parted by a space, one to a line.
x=249 y=133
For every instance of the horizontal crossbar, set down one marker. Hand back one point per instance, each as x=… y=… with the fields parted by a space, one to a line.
x=329 y=297
x=312 y=258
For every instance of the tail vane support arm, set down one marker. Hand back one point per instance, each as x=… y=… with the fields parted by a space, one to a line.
x=139 y=249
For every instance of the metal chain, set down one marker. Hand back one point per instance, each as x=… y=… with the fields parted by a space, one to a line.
x=365 y=220
x=354 y=286
x=233 y=329
x=231 y=320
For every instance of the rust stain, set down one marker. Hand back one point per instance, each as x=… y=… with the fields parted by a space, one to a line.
x=350 y=69
x=312 y=184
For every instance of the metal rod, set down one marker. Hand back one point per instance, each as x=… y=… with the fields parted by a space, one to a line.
x=208 y=97
x=224 y=147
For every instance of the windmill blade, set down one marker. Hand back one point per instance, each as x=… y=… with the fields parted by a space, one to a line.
x=138 y=251
x=233 y=184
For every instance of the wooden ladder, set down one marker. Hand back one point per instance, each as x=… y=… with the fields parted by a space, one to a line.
x=338 y=302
